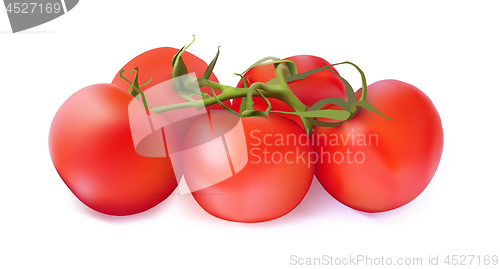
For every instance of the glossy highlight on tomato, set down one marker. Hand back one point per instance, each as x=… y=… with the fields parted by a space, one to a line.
x=250 y=175
x=91 y=146
x=122 y=150
x=390 y=161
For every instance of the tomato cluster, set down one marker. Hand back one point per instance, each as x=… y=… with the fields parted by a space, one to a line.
x=121 y=151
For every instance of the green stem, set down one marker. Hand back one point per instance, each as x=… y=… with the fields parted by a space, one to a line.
x=272 y=91
x=298 y=106
x=249 y=111
x=227 y=94
x=291 y=99
x=281 y=92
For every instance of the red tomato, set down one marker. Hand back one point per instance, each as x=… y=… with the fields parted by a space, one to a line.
x=310 y=90
x=157 y=63
x=247 y=170
x=91 y=147
x=373 y=164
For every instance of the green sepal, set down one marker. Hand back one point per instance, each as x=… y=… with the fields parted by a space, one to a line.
x=290 y=64
x=176 y=55
x=349 y=92
x=261 y=62
x=367 y=106
x=211 y=66
x=179 y=68
x=319 y=123
x=325 y=113
x=183 y=84
x=331 y=101
x=134 y=86
x=304 y=75
x=131 y=88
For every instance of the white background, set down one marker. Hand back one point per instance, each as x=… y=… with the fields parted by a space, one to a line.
x=449 y=49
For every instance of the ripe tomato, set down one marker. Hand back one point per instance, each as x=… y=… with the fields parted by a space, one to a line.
x=247 y=170
x=91 y=147
x=372 y=164
x=157 y=63
x=310 y=90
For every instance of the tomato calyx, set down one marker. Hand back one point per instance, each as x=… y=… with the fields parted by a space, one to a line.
x=351 y=106
x=249 y=109
x=134 y=85
x=187 y=86
x=182 y=82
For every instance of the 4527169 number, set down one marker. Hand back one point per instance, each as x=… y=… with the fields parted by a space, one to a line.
x=30 y=8
x=471 y=260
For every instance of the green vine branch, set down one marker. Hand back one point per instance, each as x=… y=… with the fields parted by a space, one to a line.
x=285 y=72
